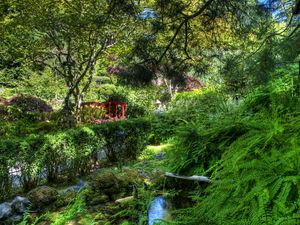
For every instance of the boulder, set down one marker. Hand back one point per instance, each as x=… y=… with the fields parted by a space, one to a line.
x=19 y=204
x=105 y=180
x=43 y=196
x=113 y=185
x=5 y=210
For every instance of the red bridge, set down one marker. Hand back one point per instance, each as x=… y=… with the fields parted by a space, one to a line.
x=96 y=112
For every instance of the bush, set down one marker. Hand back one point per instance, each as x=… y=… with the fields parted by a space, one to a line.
x=197 y=146
x=187 y=107
x=69 y=152
x=26 y=107
x=124 y=139
x=141 y=102
x=197 y=103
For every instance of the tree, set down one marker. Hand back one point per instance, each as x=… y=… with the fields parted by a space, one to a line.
x=70 y=37
x=197 y=37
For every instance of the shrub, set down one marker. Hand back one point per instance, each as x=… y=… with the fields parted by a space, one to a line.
x=124 y=139
x=199 y=145
x=197 y=103
x=26 y=107
x=69 y=152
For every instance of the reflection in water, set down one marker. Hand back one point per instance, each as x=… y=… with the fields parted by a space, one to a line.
x=158 y=210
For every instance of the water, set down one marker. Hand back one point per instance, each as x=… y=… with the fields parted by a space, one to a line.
x=77 y=187
x=158 y=210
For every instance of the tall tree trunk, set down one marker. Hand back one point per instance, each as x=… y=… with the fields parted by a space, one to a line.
x=67 y=110
x=298 y=82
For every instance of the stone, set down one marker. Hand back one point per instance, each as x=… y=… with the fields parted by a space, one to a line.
x=101 y=154
x=5 y=210
x=124 y=200
x=160 y=156
x=15 y=219
x=76 y=188
x=104 y=180
x=19 y=204
x=43 y=196
x=112 y=184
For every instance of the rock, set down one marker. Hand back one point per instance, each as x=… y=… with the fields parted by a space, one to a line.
x=160 y=156
x=101 y=154
x=111 y=184
x=43 y=196
x=19 y=204
x=104 y=181
x=15 y=219
x=5 y=210
x=76 y=188
x=124 y=200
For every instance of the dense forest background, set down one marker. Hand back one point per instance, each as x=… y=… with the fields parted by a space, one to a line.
x=212 y=88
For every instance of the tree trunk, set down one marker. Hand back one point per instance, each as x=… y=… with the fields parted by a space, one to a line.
x=67 y=110
x=297 y=85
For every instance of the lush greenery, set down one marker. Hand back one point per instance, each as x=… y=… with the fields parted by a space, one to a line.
x=212 y=88
x=69 y=152
x=250 y=152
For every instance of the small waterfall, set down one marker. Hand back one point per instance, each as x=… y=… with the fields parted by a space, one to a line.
x=158 y=210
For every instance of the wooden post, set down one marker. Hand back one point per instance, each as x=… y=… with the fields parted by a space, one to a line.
x=123 y=111
x=116 y=105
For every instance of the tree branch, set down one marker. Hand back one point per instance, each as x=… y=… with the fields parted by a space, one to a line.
x=186 y=19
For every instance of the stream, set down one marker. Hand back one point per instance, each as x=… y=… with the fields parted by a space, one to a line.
x=159 y=210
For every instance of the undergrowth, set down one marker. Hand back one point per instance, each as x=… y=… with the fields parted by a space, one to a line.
x=251 y=153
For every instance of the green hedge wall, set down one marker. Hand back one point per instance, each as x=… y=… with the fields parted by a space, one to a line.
x=69 y=152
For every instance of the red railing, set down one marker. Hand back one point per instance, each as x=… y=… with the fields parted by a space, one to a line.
x=102 y=112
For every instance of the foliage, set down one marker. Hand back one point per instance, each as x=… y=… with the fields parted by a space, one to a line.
x=25 y=107
x=251 y=155
x=124 y=139
x=198 y=102
x=256 y=181
x=73 y=211
x=163 y=127
x=69 y=152
x=135 y=212
x=26 y=219
x=43 y=84
x=70 y=38
x=184 y=108
x=90 y=115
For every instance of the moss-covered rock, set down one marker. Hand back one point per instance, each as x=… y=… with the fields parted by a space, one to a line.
x=42 y=196
x=108 y=185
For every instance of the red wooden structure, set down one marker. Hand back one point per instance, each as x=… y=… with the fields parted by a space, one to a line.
x=107 y=111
